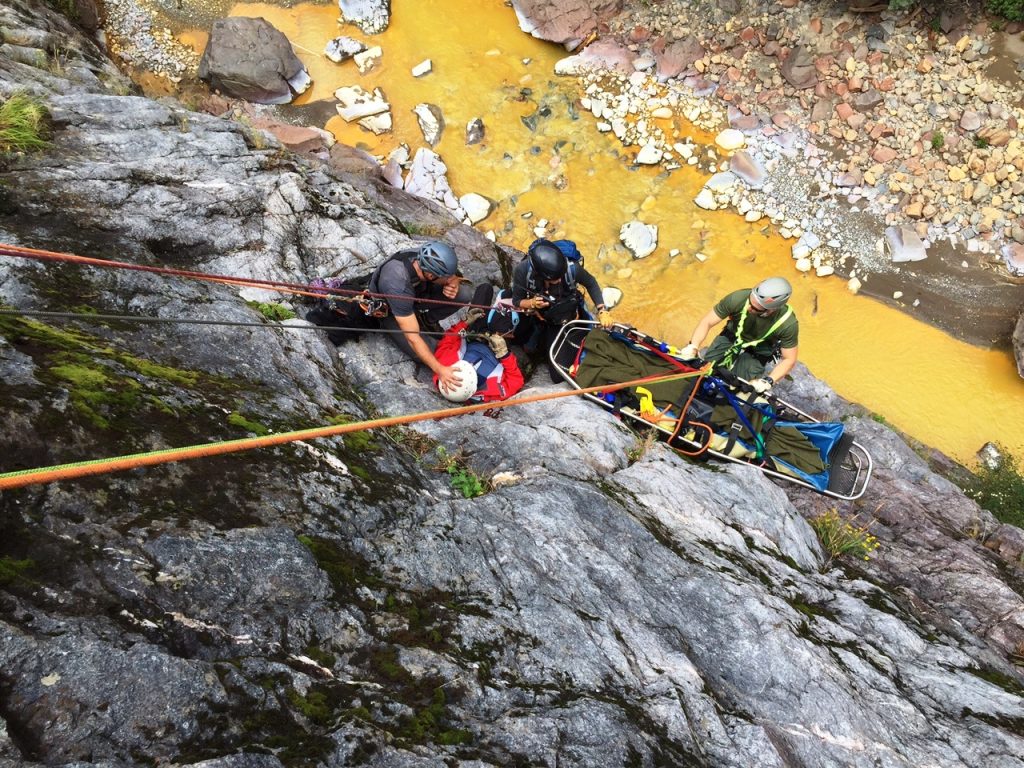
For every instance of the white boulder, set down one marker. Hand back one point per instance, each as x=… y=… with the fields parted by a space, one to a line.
x=903 y=244
x=640 y=239
x=428 y=178
x=367 y=60
x=612 y=297
x=477 y=207
x=730 y=139
x=342 y=48
x=431 y=121
x=356 y=103
x=649 y=154
x=706 y=200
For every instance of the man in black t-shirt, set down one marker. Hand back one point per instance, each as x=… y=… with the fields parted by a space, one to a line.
x=431 y=272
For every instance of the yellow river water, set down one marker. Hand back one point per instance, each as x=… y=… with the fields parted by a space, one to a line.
x=944 y=392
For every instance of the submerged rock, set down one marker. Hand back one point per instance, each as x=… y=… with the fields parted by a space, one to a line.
x=431 y=122
x=640 y=239
x=475 y=131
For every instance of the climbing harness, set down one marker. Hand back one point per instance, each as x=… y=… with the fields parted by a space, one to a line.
x=739 y=346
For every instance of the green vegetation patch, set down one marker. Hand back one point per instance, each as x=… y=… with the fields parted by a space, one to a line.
x=460 y=474
x=108 y=388
x=273 y=312
x=236 y=419
x=1009 y=9
x=12 y=570
x=841 y=537
x=24 y=124
x=1001 y=490
x=96 y=395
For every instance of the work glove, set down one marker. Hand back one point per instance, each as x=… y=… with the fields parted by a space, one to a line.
x=763 y=385
x=474 y=314
x=689 y=352
x=604 y=317
x=497 y=345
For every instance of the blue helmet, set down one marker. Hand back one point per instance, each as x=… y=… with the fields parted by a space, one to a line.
x=438 y=258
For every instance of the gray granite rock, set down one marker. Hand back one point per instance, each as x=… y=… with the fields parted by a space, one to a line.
x=340 y=600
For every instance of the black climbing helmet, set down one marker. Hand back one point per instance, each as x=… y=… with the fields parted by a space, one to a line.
x=547 y=260
x=772 y=293
x=438 y=258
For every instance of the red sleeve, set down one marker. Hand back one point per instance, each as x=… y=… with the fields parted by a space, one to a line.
x=512 y=379
x=447 y=351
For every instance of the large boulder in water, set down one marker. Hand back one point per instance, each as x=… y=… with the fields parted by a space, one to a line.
x=252 y=60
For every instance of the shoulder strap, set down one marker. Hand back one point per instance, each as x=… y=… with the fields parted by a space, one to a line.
x=405 y=256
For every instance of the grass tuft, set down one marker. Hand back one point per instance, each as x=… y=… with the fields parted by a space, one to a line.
x=23 y=124
x=840 y=537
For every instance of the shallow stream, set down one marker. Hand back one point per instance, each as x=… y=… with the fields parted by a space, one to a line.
x=945 y=393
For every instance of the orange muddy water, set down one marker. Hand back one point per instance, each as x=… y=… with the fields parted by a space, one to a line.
x=941 y=391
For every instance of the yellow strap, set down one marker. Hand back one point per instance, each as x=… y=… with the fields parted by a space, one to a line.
x=646 y=401
x=739 y=345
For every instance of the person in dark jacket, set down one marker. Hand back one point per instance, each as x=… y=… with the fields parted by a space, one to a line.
x=547 y=283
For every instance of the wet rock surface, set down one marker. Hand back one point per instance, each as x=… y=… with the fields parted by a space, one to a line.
x=339 y=602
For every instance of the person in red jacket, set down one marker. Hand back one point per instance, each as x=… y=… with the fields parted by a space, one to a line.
x=486 y=348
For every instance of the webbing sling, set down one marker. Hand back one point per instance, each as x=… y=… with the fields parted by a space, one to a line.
x=739 y=345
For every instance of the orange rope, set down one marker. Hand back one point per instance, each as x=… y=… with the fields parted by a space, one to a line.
x=51 y=474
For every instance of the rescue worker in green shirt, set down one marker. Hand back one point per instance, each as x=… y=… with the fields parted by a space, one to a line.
x=761 y=330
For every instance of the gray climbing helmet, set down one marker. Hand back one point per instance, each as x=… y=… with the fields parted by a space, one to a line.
x=438 y=258
x=773 y=292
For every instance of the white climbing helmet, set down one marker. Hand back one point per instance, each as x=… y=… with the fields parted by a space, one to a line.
x=465 y=390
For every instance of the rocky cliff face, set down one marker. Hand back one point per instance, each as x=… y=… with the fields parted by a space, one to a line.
x=340 y=603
